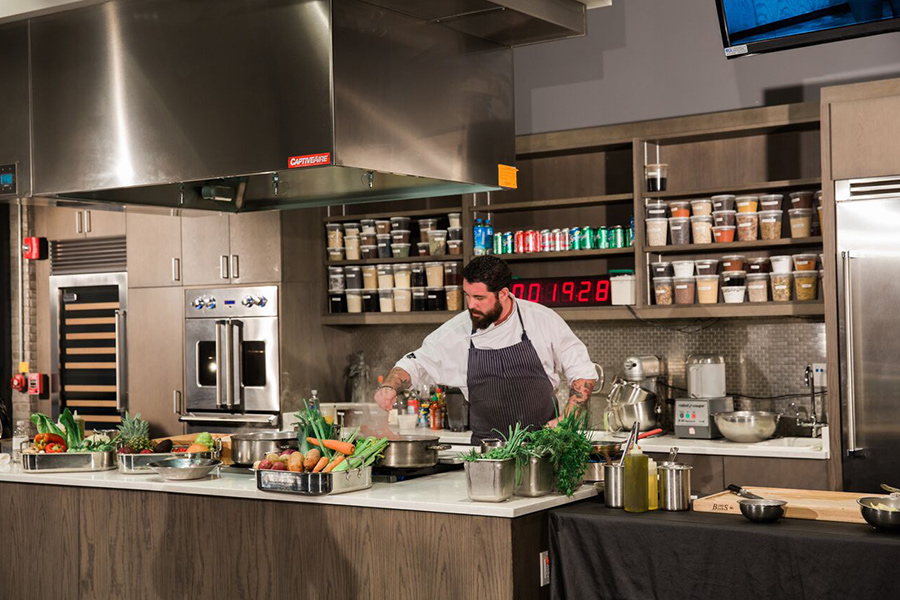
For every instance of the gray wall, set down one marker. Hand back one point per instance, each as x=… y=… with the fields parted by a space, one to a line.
x=651 y=59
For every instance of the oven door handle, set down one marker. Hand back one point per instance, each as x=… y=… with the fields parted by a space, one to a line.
x=201 y=418
x=121 y=357
x=229 y=364
x=237 y=374
x=221 y=363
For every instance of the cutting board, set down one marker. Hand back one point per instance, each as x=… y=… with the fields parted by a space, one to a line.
x=801 y=504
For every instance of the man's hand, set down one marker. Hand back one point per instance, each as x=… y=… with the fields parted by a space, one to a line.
x=385 y=397
x=579 y=392
x=397 y=381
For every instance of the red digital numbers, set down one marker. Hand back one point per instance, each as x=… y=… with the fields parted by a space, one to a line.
x=602 y=291
x=564 y=291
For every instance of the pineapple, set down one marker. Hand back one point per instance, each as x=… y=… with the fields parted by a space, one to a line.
x=134 y=433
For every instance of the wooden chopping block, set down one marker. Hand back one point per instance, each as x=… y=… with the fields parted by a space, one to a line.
x=813 y=505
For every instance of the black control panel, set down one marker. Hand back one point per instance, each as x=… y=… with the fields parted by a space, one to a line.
x=8 y=179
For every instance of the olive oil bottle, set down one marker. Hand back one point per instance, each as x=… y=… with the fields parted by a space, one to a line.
x=637 y=496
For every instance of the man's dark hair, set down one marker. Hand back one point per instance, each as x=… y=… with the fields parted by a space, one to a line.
x=489 y=270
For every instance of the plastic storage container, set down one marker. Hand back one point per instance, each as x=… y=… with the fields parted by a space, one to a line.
x=701 y=207
x=452 y=273
x=382 y=226
x=758 y=287
x=701 y=228
x=386 y=300
x=805 y=262
x=733 y=262
x=661 y=269
x=723 y=233
x=680 y=230
x=354 y=301
x=781 y=286
x=723 y=202
x=657 y=230
x=801 y=222
x=354 y=278
x=770 y=202
x=747 y=226
x=384 y=245
x=706 y=266
x=385 y=277
x=336 y=281
x=622 y=290
x=685 y=288
x=683 y=268
x=402 y=300
x=402 y=276
x=802 y=199
x=707 y=289
x=454 y=298
x=806 y=285
x=352 y=247
x=663 y=290
x=437 y=242
x=335 y=234
x=770 y=224
x=679 y=209
x=400 y=250
x=781 y=264
x=724 y=217
x=434 y=274
x=749 y=203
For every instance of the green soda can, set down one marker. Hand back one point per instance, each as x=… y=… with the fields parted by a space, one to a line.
x=498 y=243
x=617 y=237
x=587 y=238
x=601 y=238
x=575 y=239
x=629 y=240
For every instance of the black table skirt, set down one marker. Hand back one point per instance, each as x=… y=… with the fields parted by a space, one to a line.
x=598 y=552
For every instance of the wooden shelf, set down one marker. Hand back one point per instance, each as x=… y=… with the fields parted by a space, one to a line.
x=530 y=205
x=568 y=254
x=764 y=186
x=729 y=246
x=743 y=309
x=424 y=212
x=388 y=261
x=410 y=318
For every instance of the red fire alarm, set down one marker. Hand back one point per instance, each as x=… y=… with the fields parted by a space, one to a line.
x=35 y=248
x=18 y=382
x=37 y=383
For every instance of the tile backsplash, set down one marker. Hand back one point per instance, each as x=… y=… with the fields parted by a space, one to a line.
x=763 y=358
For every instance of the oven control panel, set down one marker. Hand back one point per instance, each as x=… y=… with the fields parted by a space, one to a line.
x=231 y=302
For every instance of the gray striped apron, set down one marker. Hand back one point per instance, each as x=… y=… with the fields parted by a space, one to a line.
x=506 y=386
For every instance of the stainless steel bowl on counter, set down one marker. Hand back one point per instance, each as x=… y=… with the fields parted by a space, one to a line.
x=762 y=510
x=185 y=468
x=247 y=448
x=747 y=426
x=412 y=452
x=879 y=518
x=625 y=415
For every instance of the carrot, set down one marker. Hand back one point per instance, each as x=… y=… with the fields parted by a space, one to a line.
x=320 y=465
x=342 y=447
x=337 y=460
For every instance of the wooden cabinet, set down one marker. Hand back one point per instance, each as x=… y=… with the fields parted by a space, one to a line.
x=223 y=249
x=865 y=137
x=155 y=323
x=63 y=223
x=206 y=249
x=255 y=247
x=777 y=472
x=154 y=250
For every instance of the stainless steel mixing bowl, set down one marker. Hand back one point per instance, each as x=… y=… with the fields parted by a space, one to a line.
x=762 y=510
x=747 y=426
x=884 y=520
x=185 y=468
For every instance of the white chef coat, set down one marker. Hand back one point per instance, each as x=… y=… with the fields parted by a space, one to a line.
x=444 y=355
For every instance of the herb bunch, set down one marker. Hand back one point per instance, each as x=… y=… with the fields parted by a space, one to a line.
x=568 y=447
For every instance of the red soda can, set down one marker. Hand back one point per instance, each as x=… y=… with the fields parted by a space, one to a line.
x=545 y=240
x=520 y=242
x=562 y=240
x=532 y=241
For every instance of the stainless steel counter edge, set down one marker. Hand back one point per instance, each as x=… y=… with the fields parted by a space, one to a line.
x=442 y=493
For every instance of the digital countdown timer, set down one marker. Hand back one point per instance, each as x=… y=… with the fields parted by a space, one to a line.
x=564 y=291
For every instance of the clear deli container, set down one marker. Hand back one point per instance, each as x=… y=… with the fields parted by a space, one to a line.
x=806 y=285
x=384 y=245
x=386 y=300
x=747 y=226
x=701 y=207
x=770 y=201
x=437 y=242
x=354 y=278
x=781 y=286
x=402 y=300
x=801 y=222
x=335 y=254
x=723 y=233
x=452 y=273
x=758 y=265
x=400 y=236
x=402 y=276
x=664 y=291
x=748 y=203
x=701 y=228
x=400 y=250
x=657 y=230
x=661 y=269
x=366 y=226
x=656 y=209
x=385 y=277
x=400 y=224
x=706 y=266
x=802 y=199
x=734 y=278
x=434 y=274
x=805 y=262
x=382 y=226
x=723 y=202
x=454 y=298
x=734 y=294
x=770 y=224
x=354 y=301
x=685 y=288
x=724 y=217
x=335 y=233
x=454 y=233
x=369 y=277
x=455 y=219
x=758 y=287
x=351 y=228
x=336 y=281
x=781 y=264
x=351 y=247
x=733 y=262
x=423 y=248
x=679 y=209
x=683 y=268
x=680 y=230
x=707 y=289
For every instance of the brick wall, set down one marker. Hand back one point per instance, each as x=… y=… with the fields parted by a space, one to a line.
x=23 y=405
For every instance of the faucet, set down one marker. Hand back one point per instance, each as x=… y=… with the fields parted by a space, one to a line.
x=813 y=422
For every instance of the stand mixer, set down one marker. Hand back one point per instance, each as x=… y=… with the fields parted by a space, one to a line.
x=633 y=397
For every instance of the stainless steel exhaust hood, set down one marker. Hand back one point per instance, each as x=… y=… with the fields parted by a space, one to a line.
x=240 y=105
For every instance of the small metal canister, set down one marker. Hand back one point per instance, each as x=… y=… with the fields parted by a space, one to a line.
x=614 y=486
x=674 y=486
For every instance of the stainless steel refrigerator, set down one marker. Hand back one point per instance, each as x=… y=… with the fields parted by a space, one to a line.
x=868 y=251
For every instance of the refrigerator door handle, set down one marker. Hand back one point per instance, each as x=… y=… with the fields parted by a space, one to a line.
x=237 y=374
x=221 y=364
x=121 y=381
x=847 y=292
x=229 y=364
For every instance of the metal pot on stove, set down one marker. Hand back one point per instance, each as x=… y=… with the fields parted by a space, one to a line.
x=247 y=448
x=412 y=452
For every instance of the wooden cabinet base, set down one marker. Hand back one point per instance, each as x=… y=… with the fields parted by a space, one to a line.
x=79 y=543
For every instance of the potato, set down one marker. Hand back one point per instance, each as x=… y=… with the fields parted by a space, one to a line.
x=273 y=456
x=312 y=457
x=295 y=462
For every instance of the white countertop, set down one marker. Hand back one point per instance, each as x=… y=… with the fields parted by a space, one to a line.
x=810 y=448
x=441 y=493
